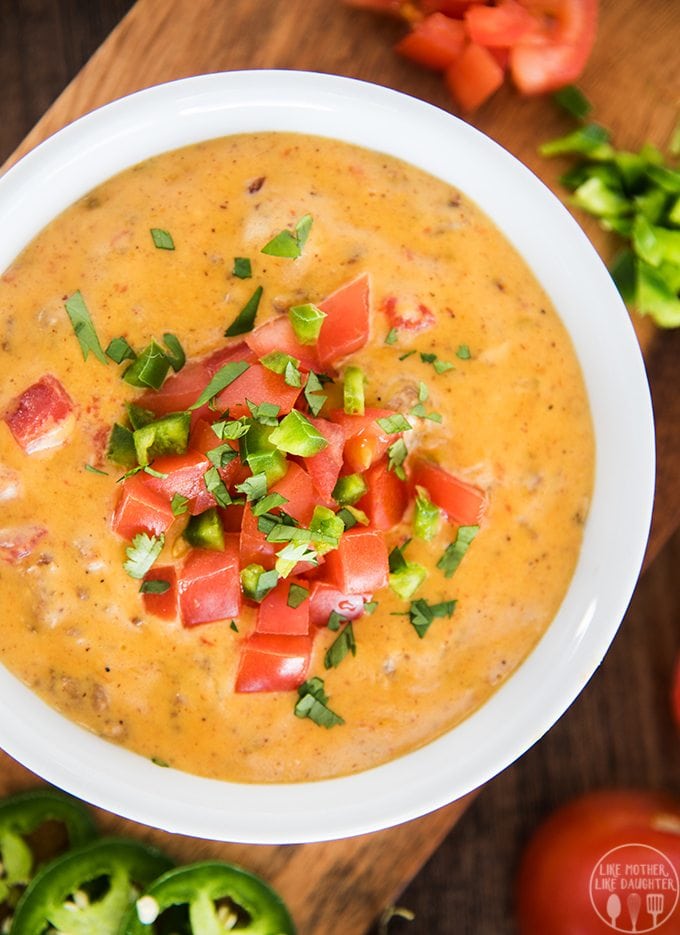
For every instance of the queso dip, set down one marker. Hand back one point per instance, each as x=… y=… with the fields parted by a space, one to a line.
x=462 y=343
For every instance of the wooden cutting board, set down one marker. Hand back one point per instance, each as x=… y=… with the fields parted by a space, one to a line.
x=633 y=81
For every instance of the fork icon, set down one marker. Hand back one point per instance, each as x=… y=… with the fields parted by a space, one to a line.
x=655 y=906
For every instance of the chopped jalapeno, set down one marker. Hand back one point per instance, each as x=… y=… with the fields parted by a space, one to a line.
x=353 y=391
x=205 y=531
x=349 y=489
x=296 y=435
x=168 y=435
x=149 y=369
x=306 y=321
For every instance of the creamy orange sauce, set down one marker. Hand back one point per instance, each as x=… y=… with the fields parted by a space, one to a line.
x=516 y=422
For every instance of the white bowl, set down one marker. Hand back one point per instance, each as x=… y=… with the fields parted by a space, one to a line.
x=101 y=144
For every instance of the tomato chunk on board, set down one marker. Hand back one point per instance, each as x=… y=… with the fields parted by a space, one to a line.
x=387 y=497
x=209 y=585
x=163 y=605
x=141 y=509
x=271 y=663
x=500 y=26
x=274 y=615
x=463 y=503
x=42 y=417
x=346 y=326
x=359 y=565
x=435 y=42
x=474 y=76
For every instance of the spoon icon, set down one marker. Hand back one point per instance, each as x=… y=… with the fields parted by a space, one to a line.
x=613 y=909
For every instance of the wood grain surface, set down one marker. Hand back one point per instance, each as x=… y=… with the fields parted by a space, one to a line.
x=612 y=735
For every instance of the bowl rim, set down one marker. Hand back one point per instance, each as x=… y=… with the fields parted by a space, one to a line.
x=122 y=133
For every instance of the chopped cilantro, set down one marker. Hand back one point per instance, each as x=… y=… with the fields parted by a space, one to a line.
x=256 y=582
x=142 y=554
x=94 y=470
x=77 y=311
x=179 y=504
x=254 y=487
x=289 y=244
x=175 y=352
x=313 y=703
x=291 y=554
x=442 y=366
x=242 y=268
x=119 y=350
x=370 y=607
x=221 y=455
x=245 y=319
x=396 y=455
x=315 y=398
x=392 y=336
x=270 y=502
x=421 y=614
x=297 y=595
x=335 y=620
x=232 y=626
x=574 y=101
x=406 y=355
x=224 y=376
x=162 y=239
x=154 y=586
x=264 y=413
x=463 y=352
x=215 y=485
x=343 y=644
x=394 y=423
x=455 y=551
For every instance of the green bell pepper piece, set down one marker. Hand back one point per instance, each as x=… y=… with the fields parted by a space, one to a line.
x=168 y=435
x=205 y=531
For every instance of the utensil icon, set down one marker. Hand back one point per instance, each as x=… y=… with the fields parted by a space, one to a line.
x=633 y=902
x=654 y=906
x=613 y=909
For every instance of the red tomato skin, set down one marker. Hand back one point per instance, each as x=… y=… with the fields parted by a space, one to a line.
x=232 y=518
x=162 y=605
x=185 y=475
x=453 y=8
x=500 y=26
x=553 y=886
x=386 y=499
x=359 y=565
x=365 y=441
x=179 y=391
x=275 y=616
x=258 y=385
x=435 y=42
x=474 y=77
x=297 y=487
x=324 y=598
x=41 y=417
x=346 y=326
x=140 y=509
x=18 y=543
x=277 y=335
x=209 y=585
x=324 y=468
x=415 y=318
x=271 y=663
x=225 y=355
x=463 y=503
x=556 y=52
x=253 y=545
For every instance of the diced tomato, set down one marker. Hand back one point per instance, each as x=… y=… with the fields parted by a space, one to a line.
x=42 y=417
x=209 y=584
x=185 y=475
x=141 y=509
x=232 y=517
x=277 y=335
x=162 y=605
x=275 y=616
x=556 y=52
x=253 y=545
x=19 y=542
x=346 y=326
x=271 y=663
x=258 y=385
x=463 y=503
x=499 y=26
x=359 y=565
x=179 y=391
x=325 y=598
x=435 y=42
x=474 y=77
x=203 y=439
x=414 y=318
x=387 y=497
x=324 y=467
x=298 y=489
x=238 y=351
x=365 y=441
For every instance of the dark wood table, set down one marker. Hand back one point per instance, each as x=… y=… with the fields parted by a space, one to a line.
x=619 y=732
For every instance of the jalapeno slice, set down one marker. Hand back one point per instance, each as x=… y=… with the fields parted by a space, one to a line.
x=209 y=898
x=36 y=826
x=89 y=889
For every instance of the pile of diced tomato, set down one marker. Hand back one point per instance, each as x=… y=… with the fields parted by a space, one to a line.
x=204 y=582
x=542 y=45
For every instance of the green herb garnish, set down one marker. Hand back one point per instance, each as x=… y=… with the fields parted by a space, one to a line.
x=154 y=586
x=296 y=595
x=77 y=311
x=245 y=320
x=315 y=398
x=264 y=413
x=162 y=239
x=267 y=503
x=313 y=703
x=142 y=554
x=179 y=504
x=343 y=644
x=392 y=336
x=119 y=350
x=394 y=423
x=574 y=101
x=291 y=554
x=256 y=582
x=242 y=267
x=396 y=455
x=175 y=352
x=289 y=244
x=421 y=614
x=463 y=352
x=94 y=470
x=215 y=485
x=254 y=487
x=224 y=376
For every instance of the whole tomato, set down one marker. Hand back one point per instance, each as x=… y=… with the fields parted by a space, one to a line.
x=609 y=860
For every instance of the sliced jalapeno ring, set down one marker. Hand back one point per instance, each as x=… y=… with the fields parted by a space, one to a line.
x=209 y=898
x=36 y=826
x=89 y=889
